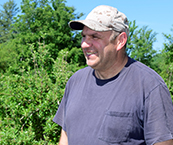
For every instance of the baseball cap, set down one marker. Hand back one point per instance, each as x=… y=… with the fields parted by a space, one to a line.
x=103 y=18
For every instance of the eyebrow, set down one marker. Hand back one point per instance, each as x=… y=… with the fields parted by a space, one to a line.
x=95 y=33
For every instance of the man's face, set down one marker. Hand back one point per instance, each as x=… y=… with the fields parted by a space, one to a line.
x=97 y=48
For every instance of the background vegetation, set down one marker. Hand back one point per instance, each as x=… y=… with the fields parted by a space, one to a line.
x=38 y=54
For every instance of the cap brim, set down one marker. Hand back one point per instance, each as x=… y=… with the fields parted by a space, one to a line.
x=79 y=25
x=76 y=25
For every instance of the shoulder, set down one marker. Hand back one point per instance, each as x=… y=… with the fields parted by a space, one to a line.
x=143 y=76
x=81 y=75
x=145 y=73
x=82 y=72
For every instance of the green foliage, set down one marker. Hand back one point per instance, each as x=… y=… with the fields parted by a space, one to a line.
x=7 y=51
x=167 y=67
x=76 y=55
x=48 y=18
x=44 y=21
x=140 y=44
x=29 y=99
x=132 y=30
x=9 y=10
x=7 y=56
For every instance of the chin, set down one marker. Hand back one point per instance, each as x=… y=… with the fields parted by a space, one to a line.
x=92 y=63
x=92 y=66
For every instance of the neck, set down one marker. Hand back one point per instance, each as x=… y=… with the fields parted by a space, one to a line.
x=108 y=73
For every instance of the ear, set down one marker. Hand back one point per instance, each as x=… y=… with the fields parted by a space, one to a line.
x=122 y=39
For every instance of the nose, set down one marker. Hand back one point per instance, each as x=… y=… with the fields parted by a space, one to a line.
x=86 y=42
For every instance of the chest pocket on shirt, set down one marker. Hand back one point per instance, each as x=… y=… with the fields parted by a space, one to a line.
x=115 y=126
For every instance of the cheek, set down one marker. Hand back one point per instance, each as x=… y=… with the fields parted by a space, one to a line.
x=83 y=51
x=99 y=47
x=109 y=52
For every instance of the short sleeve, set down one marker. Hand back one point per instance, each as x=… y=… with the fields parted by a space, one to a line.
x=60 y=114
x=158 y=118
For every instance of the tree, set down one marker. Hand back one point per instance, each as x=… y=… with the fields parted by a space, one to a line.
x=43 y=18
x=51 y=19
x=7 y=51
x=7 y=56
x=167 y=67
x=132 y=30
x=140 y=44
x=9 y=10
x=29 y=99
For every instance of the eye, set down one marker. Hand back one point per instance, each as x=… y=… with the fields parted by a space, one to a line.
x=95 y=37
x=82 y=35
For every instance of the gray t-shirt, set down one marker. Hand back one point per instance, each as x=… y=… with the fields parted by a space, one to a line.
x=132 y=108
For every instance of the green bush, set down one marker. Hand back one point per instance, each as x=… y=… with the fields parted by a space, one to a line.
x=29 y=99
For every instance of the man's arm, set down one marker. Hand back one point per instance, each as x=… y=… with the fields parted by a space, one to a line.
x=168 y=142
x=63 y=139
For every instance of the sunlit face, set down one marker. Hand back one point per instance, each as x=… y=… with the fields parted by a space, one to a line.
x=97 y=48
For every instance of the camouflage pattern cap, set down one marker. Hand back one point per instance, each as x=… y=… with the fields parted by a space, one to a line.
x=103 y=18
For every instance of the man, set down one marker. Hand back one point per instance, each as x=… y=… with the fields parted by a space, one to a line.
x=115 y=100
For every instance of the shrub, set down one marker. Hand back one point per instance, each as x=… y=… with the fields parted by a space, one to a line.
x=29 y=99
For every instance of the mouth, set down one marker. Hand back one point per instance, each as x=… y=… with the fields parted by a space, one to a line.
x=90 y=53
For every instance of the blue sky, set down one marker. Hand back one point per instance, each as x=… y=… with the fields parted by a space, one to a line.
x=156 y=14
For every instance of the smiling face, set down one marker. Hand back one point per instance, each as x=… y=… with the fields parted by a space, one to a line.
x=99 y=52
